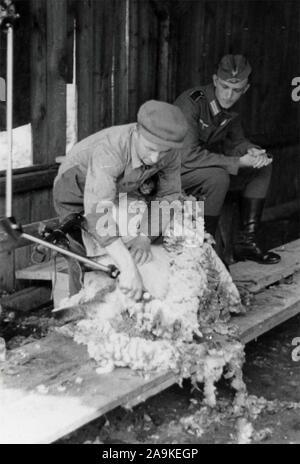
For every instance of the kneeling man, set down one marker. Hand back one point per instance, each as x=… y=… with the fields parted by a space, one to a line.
x=116 y=160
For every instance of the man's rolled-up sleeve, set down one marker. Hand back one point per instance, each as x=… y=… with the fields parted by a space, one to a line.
x=100 y=193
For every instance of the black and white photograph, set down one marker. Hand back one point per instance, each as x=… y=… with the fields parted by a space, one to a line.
x=149 y=225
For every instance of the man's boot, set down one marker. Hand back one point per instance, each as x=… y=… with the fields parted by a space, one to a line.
x=246 y=246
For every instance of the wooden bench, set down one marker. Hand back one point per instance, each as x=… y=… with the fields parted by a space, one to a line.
x=50 y=387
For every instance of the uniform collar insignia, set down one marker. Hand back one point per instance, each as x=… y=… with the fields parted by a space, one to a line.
x=214 y=107
x=213 y=104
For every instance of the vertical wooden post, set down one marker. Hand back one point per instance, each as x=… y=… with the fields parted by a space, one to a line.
x=103 y=39
x=163 y=59
x=121 y=54
x=56 y=78
x=99 y=41
x=106 y=71
x=147 y=53
x=7 y=262
x=22 y=207
x=84 y=61
x=133 y=61
x=38 y=65
x=70 y=40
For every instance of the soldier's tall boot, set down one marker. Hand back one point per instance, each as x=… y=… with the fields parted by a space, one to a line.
x=210 y=224
x=246 y=246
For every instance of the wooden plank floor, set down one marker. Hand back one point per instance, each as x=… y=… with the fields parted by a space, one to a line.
x=258 y=276
x=50 y=388
x=269 y=309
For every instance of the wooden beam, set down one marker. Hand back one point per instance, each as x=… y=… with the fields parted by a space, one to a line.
x=43 y=271
x=33 y=179
x=28 y=299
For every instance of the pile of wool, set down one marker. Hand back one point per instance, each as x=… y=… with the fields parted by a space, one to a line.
x=241 y=415
x=183 y=327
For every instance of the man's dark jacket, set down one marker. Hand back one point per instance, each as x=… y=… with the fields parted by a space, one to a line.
x=215 y=136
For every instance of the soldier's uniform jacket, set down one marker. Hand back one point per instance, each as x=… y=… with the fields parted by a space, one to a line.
x=105 y=164
x=210 y=126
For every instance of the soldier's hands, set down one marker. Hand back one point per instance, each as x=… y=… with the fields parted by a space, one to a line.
x=256 y=151
x=262 y=161
x=140 y=249
x=247 y=161
x=255 y=158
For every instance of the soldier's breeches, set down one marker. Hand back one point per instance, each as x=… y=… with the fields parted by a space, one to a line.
x=211 y=185
x=207 y=184
x=256 y=182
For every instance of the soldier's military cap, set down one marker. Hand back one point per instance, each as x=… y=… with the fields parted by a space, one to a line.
x=234 y=68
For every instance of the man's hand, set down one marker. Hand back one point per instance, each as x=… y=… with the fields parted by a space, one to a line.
x=130 y=283
x=255 y=158
x=140 y=249
x=256 y=151
x=130 y=280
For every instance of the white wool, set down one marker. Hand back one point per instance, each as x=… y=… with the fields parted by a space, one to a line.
x=244 y=431
x=190 y=288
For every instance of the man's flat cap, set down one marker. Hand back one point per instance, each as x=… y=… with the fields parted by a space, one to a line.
x=162 y=123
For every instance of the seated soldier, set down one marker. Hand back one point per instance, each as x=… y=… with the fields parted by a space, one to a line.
x=118 y=160
x=207 y=170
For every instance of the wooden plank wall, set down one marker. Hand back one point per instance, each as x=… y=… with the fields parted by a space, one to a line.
x=49 y=71
x=267 y=32
x=116 y=61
